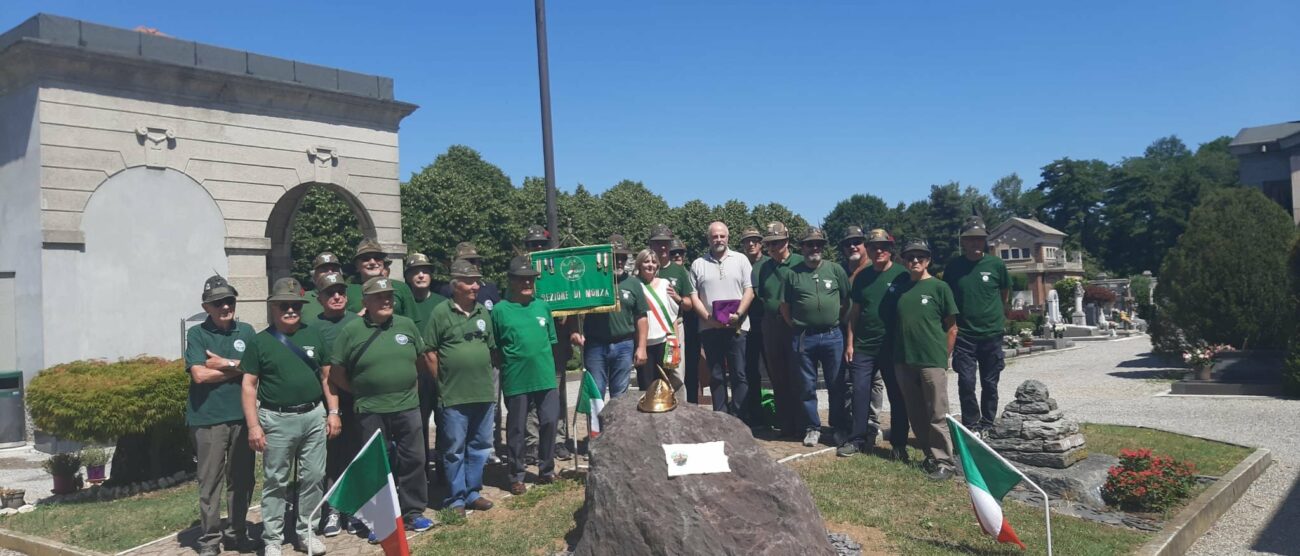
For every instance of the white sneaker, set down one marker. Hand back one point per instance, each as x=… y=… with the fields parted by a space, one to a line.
x=332 y=527
x=271 y=549
x=313 y=546
x=812 y=437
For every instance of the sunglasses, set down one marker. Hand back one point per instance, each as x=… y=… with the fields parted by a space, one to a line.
x=853 y=242
x=335 y=292
x=229 y=301
x=286 y=306
x=475 y=334
x=370 y=257
x=916 y=258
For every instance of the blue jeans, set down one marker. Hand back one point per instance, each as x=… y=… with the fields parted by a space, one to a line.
x=967 y=355
x=826 y=348
x=466 y=435
x=610 y=364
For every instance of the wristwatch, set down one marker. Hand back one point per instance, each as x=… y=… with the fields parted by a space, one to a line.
x=334 y=412
x=231 y=363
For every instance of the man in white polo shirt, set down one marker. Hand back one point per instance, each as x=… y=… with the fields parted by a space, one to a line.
x=723 y=292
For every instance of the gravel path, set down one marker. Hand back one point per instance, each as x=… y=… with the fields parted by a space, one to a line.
x=1114 y=382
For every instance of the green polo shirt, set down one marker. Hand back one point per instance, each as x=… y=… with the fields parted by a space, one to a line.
x=921 y=308
x=604 y=327
x=311 y=307
x=524 y=336
x=868 y=291
x=214 y=403
x=464 y=345
x=384 y=377
x=403 y=301
x=816 y=296
x=769 y=282
x=421 y=309
x=330 y=327
x=679 y=277
x=977 y=286
x=283 y=378
x=756 y=308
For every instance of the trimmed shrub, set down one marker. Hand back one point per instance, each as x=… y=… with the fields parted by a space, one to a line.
x=1291 y=370
x=137 y=403
x=1225 y=282
x=1065 y=291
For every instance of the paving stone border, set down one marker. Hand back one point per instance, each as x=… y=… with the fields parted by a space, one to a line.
x=1185 y=528
x=37 y=546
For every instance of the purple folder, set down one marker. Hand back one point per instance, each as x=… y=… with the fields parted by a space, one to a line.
x=723 y=308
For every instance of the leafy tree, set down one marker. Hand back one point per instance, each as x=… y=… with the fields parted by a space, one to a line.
x=323 y=222
x=1149 y=202
x=690 y=223
x=776 y=212
x=631 y=209
x=866 y=210
x=459 y=198
x=1291 y=368
x=1010 y=199
x=735 y=214
x=1073 y=192
x=582 y=219
x=947 y=211
x=1225 y=281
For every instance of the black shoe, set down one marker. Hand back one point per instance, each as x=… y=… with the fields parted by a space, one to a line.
x=899 y=453
x=942 y=473
x=562 y=453
x=209 y=550
x=929 y=465
x=848 y=449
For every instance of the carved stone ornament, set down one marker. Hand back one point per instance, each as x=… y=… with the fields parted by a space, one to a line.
x=323 y=159
x=156 y=141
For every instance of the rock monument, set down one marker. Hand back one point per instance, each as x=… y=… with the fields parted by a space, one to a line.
x=634 y=508
x=1078 y=317
x=1033 y=430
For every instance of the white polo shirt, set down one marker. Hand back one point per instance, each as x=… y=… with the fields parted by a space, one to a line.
x=721 y=279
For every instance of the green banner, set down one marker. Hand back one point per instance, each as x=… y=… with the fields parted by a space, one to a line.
x=577 y=279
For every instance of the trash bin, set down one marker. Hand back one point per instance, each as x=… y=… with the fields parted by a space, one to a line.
x=13 y=422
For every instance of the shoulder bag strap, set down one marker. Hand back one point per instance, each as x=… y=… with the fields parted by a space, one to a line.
x=352 y=362
x=311 y=363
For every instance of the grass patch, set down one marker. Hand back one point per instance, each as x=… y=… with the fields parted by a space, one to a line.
x=1211 y=458
x=112 y=526
x=535 y=523
x=920 y=516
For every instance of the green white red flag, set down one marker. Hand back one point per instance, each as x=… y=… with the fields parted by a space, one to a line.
x=367 y=492
x=989 y=478
x=590 y=401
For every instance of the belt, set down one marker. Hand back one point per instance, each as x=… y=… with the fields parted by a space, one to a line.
x=301 y=408
x=622 y=338
x=817 y=329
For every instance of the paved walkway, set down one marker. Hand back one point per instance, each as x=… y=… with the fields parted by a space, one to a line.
x=1116 y=382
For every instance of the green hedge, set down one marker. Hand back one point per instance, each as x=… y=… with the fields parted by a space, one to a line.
x=99 y=401
x=1291 y=370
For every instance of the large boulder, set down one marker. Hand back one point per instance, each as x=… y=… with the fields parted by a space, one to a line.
x=634 y=508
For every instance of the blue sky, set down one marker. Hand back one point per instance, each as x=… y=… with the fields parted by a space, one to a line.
x=804 y=103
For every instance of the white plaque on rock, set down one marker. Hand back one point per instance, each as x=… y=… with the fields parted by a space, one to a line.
x=696 y=459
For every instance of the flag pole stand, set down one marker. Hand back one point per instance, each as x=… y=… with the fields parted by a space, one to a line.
x=1047 y=502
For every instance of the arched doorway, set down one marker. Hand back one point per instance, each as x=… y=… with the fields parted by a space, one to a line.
x=322 y=200
x=152 y=237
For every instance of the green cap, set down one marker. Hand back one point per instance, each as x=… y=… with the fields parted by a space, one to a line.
x=416 y=260
x=466 y=250
x=286 y=289
x=522 y=267
x=324 y=259
x=461 y=268
x=329 y=280
x=620 y=244
x=660 y=232
x=974 y=227
x=677 y=246
x=813 y=234
x=536 y=234
x=368 y=246
x=217 y=288
x=879 y=235
x=776 y=231
x=750 y=232
x=378 y=284
x=916 y=245
x=852 y=232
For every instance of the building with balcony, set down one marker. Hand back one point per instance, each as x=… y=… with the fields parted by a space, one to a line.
x=1034 y=249
x=1269 y=158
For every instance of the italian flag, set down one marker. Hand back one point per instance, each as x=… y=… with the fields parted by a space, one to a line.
x=590 y=401
x=366 y=491
x=989 y=478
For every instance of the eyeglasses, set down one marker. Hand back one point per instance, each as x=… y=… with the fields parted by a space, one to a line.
x=286 y=306
x=916 y=258
x=853 y=243
x=370 y=257
x=224 y=302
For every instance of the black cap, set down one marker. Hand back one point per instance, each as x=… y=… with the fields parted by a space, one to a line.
x=217 y=288
x=852 y=232
x=536 y=234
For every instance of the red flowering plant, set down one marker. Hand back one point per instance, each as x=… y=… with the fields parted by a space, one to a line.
x=1146 y=482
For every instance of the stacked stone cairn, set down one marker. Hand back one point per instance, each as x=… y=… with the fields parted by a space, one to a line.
x=1033 y=431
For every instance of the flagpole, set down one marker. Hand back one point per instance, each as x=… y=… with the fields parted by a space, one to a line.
x=1047 y=509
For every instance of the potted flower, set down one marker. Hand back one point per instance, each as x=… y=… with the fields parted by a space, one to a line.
x=1058 y=330
x=1201 y=358
x=94 y=458
x=12 y=498
x=1026 y=337
x=65 y=468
